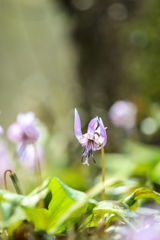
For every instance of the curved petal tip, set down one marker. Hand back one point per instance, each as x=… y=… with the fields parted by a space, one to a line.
x=103 y=132
x=77 y=125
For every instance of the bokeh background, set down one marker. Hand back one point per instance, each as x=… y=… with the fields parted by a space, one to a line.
x=56 y=55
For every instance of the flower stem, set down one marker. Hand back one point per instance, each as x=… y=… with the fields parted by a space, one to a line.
x=37 y=165
x=103 y=179
x=15 y=181
x=38 y=173
x=5 y=181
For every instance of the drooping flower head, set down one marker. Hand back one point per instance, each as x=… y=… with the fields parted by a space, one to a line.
x=123 y=114
x=23 y=130
x=93 y=140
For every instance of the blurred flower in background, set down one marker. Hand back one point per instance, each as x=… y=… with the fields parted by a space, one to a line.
x=147 y=233
x=27 y=158
x=123 y=114
x=5 y=160
x=23 y=130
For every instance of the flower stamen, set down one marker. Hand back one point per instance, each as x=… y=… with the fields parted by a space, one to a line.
x=92 y=156
x=82 y=158
x=84 y=150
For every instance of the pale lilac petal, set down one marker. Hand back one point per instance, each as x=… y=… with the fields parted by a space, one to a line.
x=77 y=125
x=97 y=133
x=25 y=119
x=83 y=140
x=1 y=130
x=102 y=140
x=96 y=146
x=30 y=135
x=91 y=127
x=102 y=133
x=20 y=150
x=100 y=136
x=15 y=133
x=23 y=131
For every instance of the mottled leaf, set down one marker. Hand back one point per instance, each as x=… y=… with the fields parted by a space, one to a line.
x=141 y=193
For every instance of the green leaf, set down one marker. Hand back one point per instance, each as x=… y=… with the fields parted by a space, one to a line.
x=91 y=221
x=146 y=193
x=10 y=197
x=31 y=202
x=39 y=216
x=65 y=205
x=82 y=201
x=63 y=197
x=121 y=210
x=12 y=218
x=142 y=193
x=7 y=210
x=25 y=201
x=12 y=204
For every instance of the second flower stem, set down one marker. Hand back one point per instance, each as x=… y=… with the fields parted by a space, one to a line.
x=38 y=173
x=103 y=178
x=37 y=166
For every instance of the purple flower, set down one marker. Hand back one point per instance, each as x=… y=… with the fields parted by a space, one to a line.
x=123 y=114
x=93 y=140
x=1 y=130
x=23 y=130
